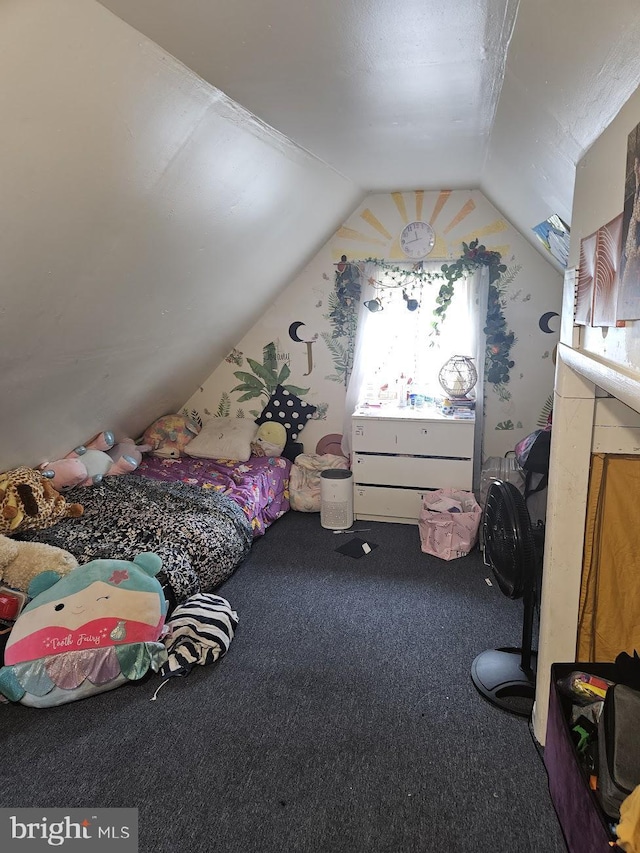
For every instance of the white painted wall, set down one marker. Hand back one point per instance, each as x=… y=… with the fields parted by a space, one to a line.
x=592 y=357
x=146 y=222
x=570 y=67
x=532 y=289
x=599 y=197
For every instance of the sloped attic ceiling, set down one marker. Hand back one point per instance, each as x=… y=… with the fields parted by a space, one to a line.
x=154 y=206
x=146 y=223
x=500 y=95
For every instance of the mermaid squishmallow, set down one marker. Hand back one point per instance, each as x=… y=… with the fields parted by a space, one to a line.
x=87 y=632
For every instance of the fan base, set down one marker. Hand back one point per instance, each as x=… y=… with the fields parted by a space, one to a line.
x=500 y=678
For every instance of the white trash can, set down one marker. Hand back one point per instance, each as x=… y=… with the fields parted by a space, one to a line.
x=336 y=499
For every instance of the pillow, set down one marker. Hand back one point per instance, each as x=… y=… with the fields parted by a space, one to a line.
x=224 y=438
x=87 y=632
x=285 y=408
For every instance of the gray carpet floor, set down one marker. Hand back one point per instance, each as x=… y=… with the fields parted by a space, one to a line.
x=343 y=718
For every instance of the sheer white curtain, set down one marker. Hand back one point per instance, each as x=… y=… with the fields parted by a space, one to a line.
x=478 y=294
x=395 y=345
x=369 y=273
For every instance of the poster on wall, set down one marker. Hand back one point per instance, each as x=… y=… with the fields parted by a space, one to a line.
x=584 y=285
x=629 y=288
x=606 y=279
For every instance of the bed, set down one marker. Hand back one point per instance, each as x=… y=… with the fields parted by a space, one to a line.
x=199 y=515
x=260 y=486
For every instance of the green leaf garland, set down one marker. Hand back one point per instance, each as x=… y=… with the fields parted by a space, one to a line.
x=500 y=339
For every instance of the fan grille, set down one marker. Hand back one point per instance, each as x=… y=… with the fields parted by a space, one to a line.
x=509 y=547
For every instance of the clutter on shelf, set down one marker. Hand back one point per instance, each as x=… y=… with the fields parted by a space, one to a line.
x=461 y=407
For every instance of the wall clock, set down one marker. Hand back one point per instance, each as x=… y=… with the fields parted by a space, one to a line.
x=417 y=240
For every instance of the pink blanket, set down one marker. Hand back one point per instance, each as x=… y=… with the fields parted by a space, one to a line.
x=259 y=486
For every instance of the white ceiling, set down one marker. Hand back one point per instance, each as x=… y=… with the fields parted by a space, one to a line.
x=500 y=95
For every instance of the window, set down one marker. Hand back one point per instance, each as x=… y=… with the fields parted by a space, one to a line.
x=398 y=344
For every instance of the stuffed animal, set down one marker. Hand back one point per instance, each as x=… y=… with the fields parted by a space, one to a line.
x=270 y=440
x=98 y=463
x=28 y=501
x=90 y=631
x=85 y=470
x=94 y=455
x=126 y=456
x=20 y=562
x=65 y=473
x=103 y=441
x=90 y=463
x=169 y=435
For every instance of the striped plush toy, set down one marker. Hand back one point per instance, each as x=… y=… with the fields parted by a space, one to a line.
x=200 y=631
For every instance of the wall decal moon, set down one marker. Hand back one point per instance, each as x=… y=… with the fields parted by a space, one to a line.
x=293 y=332
x=543 y=322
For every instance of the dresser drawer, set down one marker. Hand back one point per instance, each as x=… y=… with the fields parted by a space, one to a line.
x=421 y=473
x=391 y=504
x=422 y=438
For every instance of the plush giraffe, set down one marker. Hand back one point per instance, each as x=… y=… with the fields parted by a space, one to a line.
x=28 y=501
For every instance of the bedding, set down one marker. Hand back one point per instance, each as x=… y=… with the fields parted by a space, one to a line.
x=223 y=438
x=306 y=472
x=259 y=486
x=200 y=534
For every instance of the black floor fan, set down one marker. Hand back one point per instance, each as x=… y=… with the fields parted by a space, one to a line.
x=513 y=550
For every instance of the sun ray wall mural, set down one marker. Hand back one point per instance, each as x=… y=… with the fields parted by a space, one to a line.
x=306 y=339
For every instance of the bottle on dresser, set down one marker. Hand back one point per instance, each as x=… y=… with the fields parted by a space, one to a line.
x=402 y=391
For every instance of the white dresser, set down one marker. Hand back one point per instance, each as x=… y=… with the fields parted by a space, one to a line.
x=399 y=454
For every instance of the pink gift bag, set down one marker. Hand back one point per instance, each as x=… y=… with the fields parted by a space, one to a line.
x=448 y=523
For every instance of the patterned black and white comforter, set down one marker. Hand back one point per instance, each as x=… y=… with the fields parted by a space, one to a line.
x=201 y=535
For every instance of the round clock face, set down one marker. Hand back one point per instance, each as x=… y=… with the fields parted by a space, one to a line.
x=417 y=239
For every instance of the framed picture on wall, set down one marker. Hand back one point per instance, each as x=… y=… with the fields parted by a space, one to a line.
x=584 y=283
x=629 y=287
x=569 y=331
x=606 y=279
